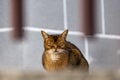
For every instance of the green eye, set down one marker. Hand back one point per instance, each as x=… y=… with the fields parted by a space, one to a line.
x=49 y=43
x=61 y=44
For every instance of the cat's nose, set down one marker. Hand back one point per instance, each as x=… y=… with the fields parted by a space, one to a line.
x=55 y=46
x=55 y=50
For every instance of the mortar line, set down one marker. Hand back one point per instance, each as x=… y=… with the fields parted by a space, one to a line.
x=5 y=29
x=53 y=31
x=103 y=16
x=86 y=49
x=65 y=14
x=24 y=54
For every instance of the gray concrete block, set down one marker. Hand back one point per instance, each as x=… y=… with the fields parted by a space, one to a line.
x=73 y=15
x=74 y=8
x=105 y=53
x=98 y=16
x=33 y=50
x=4 y=13
x=112 y=16
x=44 y=14
x=10 y=52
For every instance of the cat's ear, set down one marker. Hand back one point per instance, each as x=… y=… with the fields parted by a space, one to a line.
x=44 y=34
x=64 y=34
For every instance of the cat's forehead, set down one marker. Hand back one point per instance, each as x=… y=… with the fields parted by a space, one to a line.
x=54 y=36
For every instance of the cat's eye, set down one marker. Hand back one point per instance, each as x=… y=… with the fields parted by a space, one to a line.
x=61 y=44
x=50 y=43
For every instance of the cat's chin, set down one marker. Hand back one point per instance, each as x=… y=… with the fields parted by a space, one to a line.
x=51 y=51
x=55 y=54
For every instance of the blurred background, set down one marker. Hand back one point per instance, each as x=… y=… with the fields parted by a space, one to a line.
x=54 y=16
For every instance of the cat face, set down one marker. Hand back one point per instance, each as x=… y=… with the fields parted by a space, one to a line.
x=55 y=42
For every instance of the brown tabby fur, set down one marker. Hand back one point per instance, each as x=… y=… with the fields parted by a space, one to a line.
x=60 y=55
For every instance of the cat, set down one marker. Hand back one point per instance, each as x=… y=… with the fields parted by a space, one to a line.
x=60 y=54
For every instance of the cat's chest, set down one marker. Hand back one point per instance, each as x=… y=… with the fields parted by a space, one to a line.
x=58 y=55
